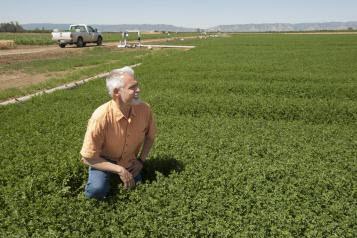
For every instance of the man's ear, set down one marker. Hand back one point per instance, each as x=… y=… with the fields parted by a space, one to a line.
x=116 y=92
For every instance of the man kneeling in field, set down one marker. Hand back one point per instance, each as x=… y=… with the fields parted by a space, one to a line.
x=116 y=132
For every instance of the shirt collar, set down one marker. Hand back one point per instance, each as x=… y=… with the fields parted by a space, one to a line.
x=118 y=114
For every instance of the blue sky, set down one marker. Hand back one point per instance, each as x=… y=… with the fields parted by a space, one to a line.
x=187 y=13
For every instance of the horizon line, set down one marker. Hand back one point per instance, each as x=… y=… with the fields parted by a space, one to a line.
x=111 y=24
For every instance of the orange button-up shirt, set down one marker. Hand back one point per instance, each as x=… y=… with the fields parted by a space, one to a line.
x=112 y=136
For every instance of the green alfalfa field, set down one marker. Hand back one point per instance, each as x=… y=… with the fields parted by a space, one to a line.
x=257 y=137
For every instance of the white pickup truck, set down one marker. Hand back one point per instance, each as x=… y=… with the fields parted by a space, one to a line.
x=80 y=35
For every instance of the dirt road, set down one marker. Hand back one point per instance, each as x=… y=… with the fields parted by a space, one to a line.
x=23 y=50
x=26 y=53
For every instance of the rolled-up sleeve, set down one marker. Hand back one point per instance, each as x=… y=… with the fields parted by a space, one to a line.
x=151 y=131
x=93 y=139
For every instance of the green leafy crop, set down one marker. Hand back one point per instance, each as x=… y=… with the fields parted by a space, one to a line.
x=257 y=138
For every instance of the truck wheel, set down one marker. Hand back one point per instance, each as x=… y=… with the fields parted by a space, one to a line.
x=80 y=42
x=62 y=45
x=99 y=41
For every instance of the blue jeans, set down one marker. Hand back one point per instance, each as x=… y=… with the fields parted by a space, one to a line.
x=99 y=183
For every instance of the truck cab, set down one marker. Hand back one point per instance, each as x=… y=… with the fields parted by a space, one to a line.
x=79 y=34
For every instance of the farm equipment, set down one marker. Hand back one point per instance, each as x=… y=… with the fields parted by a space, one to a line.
x=124 y=42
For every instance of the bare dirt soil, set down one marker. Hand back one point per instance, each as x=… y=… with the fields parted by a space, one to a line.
x=20 y=79
x=41 y=52
x=22 y=52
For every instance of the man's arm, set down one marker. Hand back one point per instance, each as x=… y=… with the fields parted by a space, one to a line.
x=148 y=142
x=102 y=164
x=136 y=166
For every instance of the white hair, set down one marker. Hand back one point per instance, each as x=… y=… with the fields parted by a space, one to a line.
x=115 y=79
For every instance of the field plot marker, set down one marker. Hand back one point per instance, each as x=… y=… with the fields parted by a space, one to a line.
x=64 y=86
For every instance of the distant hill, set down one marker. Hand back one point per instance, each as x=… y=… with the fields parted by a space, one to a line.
x=112 y=28
x=277 y=27
x=285 y=27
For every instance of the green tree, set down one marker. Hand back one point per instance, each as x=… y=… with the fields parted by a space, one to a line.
x=11 y=27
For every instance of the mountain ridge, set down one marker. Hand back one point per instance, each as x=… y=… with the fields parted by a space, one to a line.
x=262 y=27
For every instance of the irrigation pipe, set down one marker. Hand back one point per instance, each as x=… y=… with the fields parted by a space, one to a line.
x=64 y=86
x=169 y=46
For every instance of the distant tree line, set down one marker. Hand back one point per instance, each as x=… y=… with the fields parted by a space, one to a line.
x=16 y=27
x=11 y=27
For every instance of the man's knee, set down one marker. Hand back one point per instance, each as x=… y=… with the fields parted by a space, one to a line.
x=96 y=190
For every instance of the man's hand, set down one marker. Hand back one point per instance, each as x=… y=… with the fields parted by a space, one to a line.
x=127 y=178
x=135 y=167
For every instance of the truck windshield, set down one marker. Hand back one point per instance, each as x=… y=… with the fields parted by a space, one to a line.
x=77 y=28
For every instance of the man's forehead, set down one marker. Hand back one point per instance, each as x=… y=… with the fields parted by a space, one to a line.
x=130 y=80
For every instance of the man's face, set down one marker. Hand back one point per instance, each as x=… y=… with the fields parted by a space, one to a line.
x=130 y=92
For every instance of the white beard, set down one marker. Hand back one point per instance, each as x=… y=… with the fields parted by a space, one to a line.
x=136 y=101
